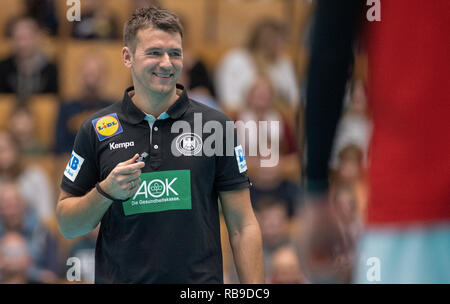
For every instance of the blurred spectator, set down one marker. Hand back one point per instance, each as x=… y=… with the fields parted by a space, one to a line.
x=15 y=259
x=97 y=22
x=22 y=125
x=33 y=182
x=350 y=165
x=84 y=249
x=286 y=267
x=195 y=75
x=269 y=124
x=267 y=182
x=43 y=11
x=74 y=112
x=408 y=213
x=354 y=126
x=351 y=171
x=345 y=200
x=260 y=106
x=17 y=216
x=28 y=70
x=274 y=222
x=261 y=57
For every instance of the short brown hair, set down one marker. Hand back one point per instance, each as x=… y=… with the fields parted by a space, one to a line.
x=258 y=30
x=147 y=17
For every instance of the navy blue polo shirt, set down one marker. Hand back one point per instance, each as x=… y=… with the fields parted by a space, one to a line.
x=168 y=232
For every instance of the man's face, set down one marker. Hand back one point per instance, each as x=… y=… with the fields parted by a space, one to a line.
x=157 y=62
x=25 y=38
x=12 y=206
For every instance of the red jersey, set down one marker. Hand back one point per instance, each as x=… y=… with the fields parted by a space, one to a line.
x=409 y=96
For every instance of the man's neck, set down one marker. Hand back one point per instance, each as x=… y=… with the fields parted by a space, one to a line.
x=153 y=104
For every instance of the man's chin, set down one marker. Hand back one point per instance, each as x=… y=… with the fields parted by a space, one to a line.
x=163 y=91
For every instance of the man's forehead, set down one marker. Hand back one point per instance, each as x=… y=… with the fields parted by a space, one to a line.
x=152 y=37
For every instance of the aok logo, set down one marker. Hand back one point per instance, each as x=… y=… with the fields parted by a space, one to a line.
x=157 y=188
x=161 y=191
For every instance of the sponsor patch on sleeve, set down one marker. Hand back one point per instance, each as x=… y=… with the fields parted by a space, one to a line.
x=107 y=126
x=74 y=166
x=242 y=164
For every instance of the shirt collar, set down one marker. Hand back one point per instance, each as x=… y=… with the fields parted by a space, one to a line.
x=134 y=115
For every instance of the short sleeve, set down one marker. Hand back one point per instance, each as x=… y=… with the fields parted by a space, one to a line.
x=81 y=173
x=231 y=168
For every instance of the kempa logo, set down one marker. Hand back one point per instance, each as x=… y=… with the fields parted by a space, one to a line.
x=124 y=145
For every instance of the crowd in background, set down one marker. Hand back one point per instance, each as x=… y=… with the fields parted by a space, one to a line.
x=256 y=81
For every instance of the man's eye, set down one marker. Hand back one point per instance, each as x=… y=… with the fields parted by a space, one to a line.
x=154 y=53
x=175 y=54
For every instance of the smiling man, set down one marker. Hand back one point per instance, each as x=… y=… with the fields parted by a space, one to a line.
x=159 y=217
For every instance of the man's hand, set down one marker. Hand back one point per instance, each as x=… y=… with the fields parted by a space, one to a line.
x=123 y=181
x=323 y=242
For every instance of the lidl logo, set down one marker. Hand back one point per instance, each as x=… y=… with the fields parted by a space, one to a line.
x=161 y=191
x=107 y=126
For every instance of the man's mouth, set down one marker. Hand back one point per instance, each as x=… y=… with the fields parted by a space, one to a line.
x=165 y=76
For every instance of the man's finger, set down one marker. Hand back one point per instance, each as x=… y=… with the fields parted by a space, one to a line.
x=129 y=161
x=129 y=169
x=130 y=177
x=134 y=185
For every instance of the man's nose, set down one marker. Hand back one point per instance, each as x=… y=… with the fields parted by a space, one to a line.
x=165 y=61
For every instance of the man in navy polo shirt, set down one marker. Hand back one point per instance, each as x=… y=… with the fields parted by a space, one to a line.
x=159 y=217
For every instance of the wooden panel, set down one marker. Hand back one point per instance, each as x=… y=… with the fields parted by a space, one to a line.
x=117 y=76
x=45 y=110
x=50 y=46
x=9 y=9
x=193 y=17
x=119 y=9
x=236 y=18
x=7 y=102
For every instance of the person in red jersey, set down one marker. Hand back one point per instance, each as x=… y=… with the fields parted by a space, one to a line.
x=407 y=235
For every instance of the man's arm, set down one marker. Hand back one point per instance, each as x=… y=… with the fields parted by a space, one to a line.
x=245 y=235
x=335 y=26
x=329 y=68
x=78 y=215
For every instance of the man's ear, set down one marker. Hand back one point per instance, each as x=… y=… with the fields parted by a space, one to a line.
x=127 y=56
